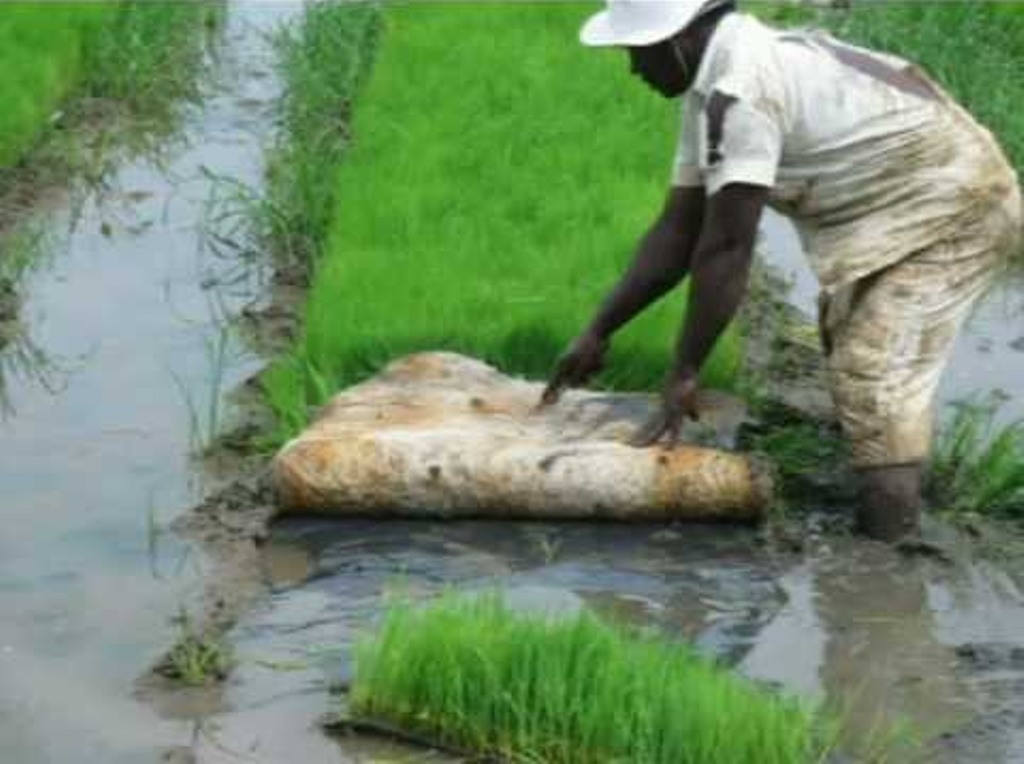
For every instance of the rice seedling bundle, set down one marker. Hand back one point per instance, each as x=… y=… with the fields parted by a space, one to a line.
x=475 y=676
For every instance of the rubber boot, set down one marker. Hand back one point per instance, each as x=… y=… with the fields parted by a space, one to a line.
x=891 y=502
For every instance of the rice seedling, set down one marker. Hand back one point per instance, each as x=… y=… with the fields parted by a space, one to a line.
x=150 y=55
x=141 y=54
x=196 y=659
x=475 y=676
x=807 y=454
x=494 y=188
x=978 y=466
x=325 y=60
x=204 y=416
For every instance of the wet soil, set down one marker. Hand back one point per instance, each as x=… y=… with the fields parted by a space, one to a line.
x=896 y=640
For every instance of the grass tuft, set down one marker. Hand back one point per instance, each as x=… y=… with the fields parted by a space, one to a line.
x=140 y=54
x=196 y=659
x=978 y=467
x=476 y=676
x=325 y=60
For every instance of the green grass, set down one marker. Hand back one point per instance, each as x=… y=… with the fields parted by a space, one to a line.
x=473 y=675
x=149 y=56
x=42 y=56
x=197 y=659
x=807 y=456
x=495 y=188
x=978 y=467
x=325 y=60
x=136 y=52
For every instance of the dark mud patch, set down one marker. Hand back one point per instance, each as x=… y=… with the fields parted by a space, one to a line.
x=272 y=323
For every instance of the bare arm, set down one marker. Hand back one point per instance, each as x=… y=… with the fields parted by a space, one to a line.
x=662 y=260
x=719 y=271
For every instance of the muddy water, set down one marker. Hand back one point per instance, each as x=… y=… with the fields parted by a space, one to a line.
x=919 y=649
x=123 y=319
x=888 y=639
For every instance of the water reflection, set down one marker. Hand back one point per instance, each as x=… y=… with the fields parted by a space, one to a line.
x=23 y=362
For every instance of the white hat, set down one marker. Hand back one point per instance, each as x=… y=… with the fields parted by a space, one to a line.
x=640 y=22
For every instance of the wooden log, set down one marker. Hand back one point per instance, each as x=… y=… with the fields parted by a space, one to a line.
x=442 y=435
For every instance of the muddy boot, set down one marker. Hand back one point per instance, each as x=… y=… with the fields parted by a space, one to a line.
x=890 y=505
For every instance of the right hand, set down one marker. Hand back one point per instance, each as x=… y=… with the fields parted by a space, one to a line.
x=583 y=359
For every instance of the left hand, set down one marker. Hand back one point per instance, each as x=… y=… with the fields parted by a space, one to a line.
x=679 y=401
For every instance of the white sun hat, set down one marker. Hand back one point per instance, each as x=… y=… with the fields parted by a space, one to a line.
x=640 y=22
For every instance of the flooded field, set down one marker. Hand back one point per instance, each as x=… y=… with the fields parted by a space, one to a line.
x=108 y=391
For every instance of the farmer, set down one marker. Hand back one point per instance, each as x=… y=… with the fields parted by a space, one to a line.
x=905 y=205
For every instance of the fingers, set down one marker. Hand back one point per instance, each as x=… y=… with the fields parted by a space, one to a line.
x=560 y=380
x=570 y=372
x=666 y=424
x=552 y=392
x=651 y=432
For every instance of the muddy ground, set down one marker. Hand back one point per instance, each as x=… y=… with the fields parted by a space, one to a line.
x=927 y=635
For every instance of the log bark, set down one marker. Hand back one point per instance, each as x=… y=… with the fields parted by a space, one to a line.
x=441 y=435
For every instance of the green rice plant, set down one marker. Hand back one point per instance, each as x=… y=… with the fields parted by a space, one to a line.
x=495 y=187
x=472 y=675
x=978 y=467
x=140 y=54
x=324 y=60
x=196 y=659
x=149 y=56
x=41 y=56
x=806 y=454
x=204 y=420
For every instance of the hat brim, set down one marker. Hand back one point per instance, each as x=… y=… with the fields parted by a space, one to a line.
x=598 y=32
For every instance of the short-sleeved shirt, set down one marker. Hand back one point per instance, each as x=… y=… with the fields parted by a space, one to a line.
x=867 y=155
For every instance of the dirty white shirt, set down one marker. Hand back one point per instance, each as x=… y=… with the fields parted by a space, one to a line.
x=870 y=169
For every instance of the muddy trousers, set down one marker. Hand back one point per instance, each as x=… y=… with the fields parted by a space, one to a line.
x=889 y=336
